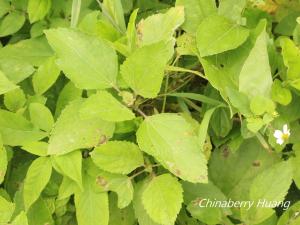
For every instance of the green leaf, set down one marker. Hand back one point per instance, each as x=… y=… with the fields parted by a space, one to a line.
x=14 y=100
x=291 y=215
x=232 y=9
x=239 y=100
x=197 y=97
x=104 y=105
x=162 y=199
x=37 y=177
x=86 y=60
x=70 y=132
x=160 y=27
x=195 y=12
x=118 y=157
x=139 y=210
x=16 y=130
x=179 y=151
x=40 y=208
x=5 y=84
x=265 y=187
x=91 y=207
x=21 y=219
x=45 y=76
x=11 y=23
x=217 y=34
x=36 y=147
x=153 y=57
x=67 y=188
x=76 y=6
x=3 y=161
x=260 y=105
x=4 y=7
x=41 y=116
x=6 y=210
x=69 y=165
x=113 y=10
x=281 y=94
x=257 y=80
x=38 y=9
x=291 y=57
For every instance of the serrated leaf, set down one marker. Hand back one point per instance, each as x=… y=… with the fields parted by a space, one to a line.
x=69 y=165
x=45 y=76
x=139 y=210
x=37 y=177
x=104 y=105
x=86 y=60
x=195 y=12
x=16 y=130
x=160 y=27
x=144 y=69
x=118 y=157
x=70 y=132
x=5 y=84
x=179 y=151
x=38 y=9
x=41 y=116
x=91 y=207
x=6 y=210
x=257 y=80
x=217 y=34
x=162 y=199
x=11 y=23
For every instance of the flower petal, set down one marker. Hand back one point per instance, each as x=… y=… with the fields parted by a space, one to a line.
x=278 y=134
x=285 y=129
x=279 y=141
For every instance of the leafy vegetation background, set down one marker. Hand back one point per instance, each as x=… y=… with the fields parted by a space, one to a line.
x=127 y=112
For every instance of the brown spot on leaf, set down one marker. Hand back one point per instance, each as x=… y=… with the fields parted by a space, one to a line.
x=256 y=163
x=226 y=151
x=102 y=182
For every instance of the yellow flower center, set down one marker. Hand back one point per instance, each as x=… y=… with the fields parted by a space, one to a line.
x=285 y=137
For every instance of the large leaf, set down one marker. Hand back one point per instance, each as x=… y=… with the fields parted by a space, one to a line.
x=217 y=34
x=70 y=132
x=37 y=177
x=5 y=84
x=162 y=199
x=91 y=207
x=104 y=105
x=69 y=165
x=257 y=80
x=160 y=27
x=144 y=69
x=38 y=9
x=16 y=130
x=195 y=12
x=86 y=60
x=265 y=189
x=179 y=151
x=118 y=157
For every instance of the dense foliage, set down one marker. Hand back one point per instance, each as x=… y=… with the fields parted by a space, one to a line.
x=126 y=112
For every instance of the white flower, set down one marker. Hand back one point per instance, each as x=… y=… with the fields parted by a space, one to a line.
x=283 y=135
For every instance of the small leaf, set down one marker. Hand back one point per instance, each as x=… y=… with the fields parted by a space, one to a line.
x=38 y=9
x=162 y=199
x=217 y=34
x=281 y=94
x=86 y=60
x=260 y=105
x=152 y=57
x=118 y=157
x=41 y=116
x=5 y=84
x=14 y=100
x=37 y=177
x=160 y=27
x=70 y=132
x=104 y=105
x=11 y=23
x=45 y=76
x=69 y=165
x=179 y=151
